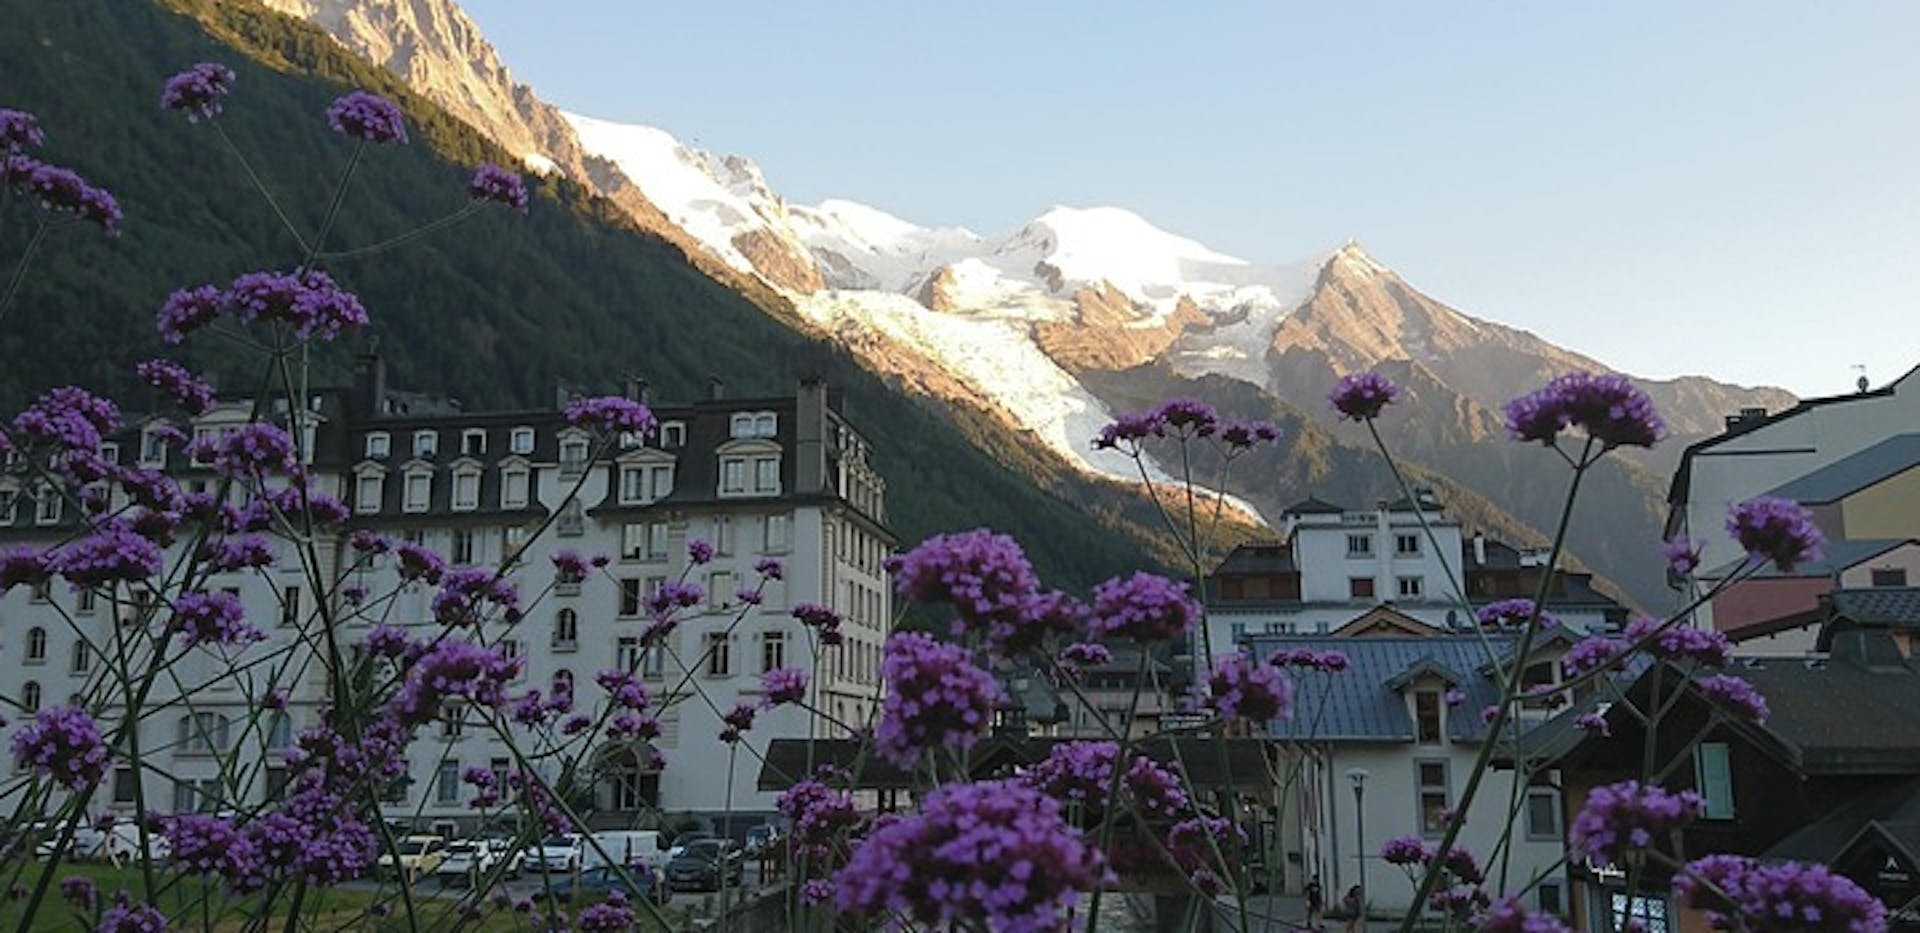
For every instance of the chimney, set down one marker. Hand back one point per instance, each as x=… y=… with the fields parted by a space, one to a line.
x=636 y=388
x=562 y=395
x=716 y=388
x=369 y=384
x=1480 y=548
x=1746 y=420
x=810 y=436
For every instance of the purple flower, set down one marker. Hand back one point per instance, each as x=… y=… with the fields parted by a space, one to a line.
x=609 y=915
x=1143 y=607
x=211 y=846
x=1405 y=850
x=985 y=855
x=612 y=414
x=187 y=310
x=1362 y=396
x=818 y=617
x=1777 y=530
x=984 y=576
x=769 y=567
x=737 y=720
x=1682 y=555
x=623 y=688
x=784 y=685
x=112 y=555
x=212 y=619
x=1243 y=435
x=313 y=304
x=935 y=697
x=1129 y=429
x=1620 y=819
x=1078 y=774
x=1591 y=654
x=1507 y=915
x=79 y=891
x=20 y=131
x=63 y=743
x=1509 y=612
x=68 y=420
x=1193 y=842
x=1609 y=408
x=181 y=386
x=127 y=917
x=62 y=190
x=1242 y=689
x=417 y=562
x=1331 y=662
x=1187 y=417
x=250 y=450
x=1595 y=723
x=367 y=117
x=198 y=91
x=819 y=816
x=493 y=183
x=699 y=552
x=239 y=552
x=1742 y=894
x=453 y=668
x=465 y=594
x=673 y=594
x=1736 y=694
x=569 y=567
x=1455 y=696
x=1680 y=642
x=1085 y=654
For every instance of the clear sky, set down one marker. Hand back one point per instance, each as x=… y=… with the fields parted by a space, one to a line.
x=1726 y=188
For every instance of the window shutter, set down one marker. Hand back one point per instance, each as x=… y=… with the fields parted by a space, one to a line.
x=1716 y=780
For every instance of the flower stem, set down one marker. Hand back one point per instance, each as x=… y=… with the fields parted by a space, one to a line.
x=259 y=185
x=20 y=269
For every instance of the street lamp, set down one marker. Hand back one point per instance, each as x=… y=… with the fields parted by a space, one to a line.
x=1359 y=778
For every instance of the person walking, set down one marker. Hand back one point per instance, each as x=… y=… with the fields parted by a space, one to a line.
x=1316 y=903
x=1356 y=910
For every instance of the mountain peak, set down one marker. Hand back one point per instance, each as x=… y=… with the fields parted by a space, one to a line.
x=1353 y=259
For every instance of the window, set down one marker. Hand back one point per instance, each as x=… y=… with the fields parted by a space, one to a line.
x=289 y=605
x=566 y=629
x=630 y=596
x=562 y=683
x=633 y=484
x=1543 y=813
x=773 y=651
x=1426 y=714
x=720 y=590
x=1360 y=587
x=1882 y=576
x=153 y=448
x=419 y=491
x=1713 y=775
x=466 y=490
x=82 y=657
x=673 y=434
x=366 y=492
x=453 y=720
x=30 y=696
x=47 y=505
x=644 y=541
x=1551 y=901
x=573 y=458
x=1536 y=680
x=765 y=424
x=573 y=519
x=1650 y=911
x=776 y=533
x=185 y=797
x=203 y=732
x=1412 y=587
x=723 y=534
x=446 y=782
x=9 y=505
x=473 y=442
x=733 y=474
x=1406 y=544
x=126 y=785
x=1359 y=545
x=520 y=441
x=280 y=732
x=278 y=777
x=513 y=489
x=627 y=652
x=36 y=645
x=1433 y=796
x=110 y=452
x=766 y=474
x=719 y=647
x=85 y=601
x=740 y=426
x=426 y=444
x=378 y=445
x=462 y=546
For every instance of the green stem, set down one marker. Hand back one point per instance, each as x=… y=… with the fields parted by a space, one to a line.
x=259 y=185
x=20 y=269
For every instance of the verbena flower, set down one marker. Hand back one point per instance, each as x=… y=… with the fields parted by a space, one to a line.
x=783 y=685
x=1085 y=654
x=20 y=131
x=63 y=191
x=312 y=303
x=821 y=619
x=609 y=915
x=112 y=555
x=1592 y=654
x=1777 y=898
x=1143 y=607
x=492 y=183
x=1244 y=435
x=1204 y=847
x=1130 y=430
x=769 y=567
x=1594 y=723
x=1682 y=555
x=737 y=720
x=188 y=310
x=251 y=450
x=1187 y=417
x=1508 y=915
x=239 y=552
x=1362 y=396
x=612 y=414
x=1079 y=774
x=367 y=117
x=1509 y=612
x=623 y=688
x=1331 y=662
x=1621 y=819
x=465 y=595
x=453 y=668
x=986 y=855
x=1777 y=530
x=126 y=916
x=819 y=816
x=180 y=386
x=935 y=697
x=1680 y=642
x=66 y=421
x=79 y=891
x=212 y=619
x=64 y=744
x=1736 y=694
x=1609 y=408
x=1243 y=689
x=417 y=562
x=198 y=91
x=699 y=552
x=984 y=576
x=1405 y=851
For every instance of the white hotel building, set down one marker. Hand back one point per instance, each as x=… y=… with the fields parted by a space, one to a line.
x=787 y=478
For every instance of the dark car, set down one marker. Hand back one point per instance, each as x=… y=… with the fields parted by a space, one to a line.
x=638 y=883
x=762 y=840
x=702 y=863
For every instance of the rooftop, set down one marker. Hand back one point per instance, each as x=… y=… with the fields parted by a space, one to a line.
x=1848 y=475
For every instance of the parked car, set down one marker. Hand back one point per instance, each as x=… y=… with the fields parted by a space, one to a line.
x=702 y=863
x=467 y=861
x=638 y=882
x=118 y=842
x=560 y=855
x=627 y=847
x=413 y=857
x=763 y=839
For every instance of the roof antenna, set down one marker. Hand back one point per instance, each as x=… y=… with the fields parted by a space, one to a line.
x=1861 y=383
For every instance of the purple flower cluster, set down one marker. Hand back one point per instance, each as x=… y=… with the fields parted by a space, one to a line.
x=111 y=555
x=63 y=743
x=1595 y=723
x=1681 y=642
x=1609 y=408
x=211 y=846
x=79 y=891
x=126 y=916
x=68 y=422
x=1330 y=662
x=1405 y=851
x=466 y=595
x=20 y=131
x=313 y=304
x=935 y=697
x=1682 y=555
x=367 y=117
x=1245 y=435
x=784 y=685
x=418 y=562
x=1592 y=654
x=1143 y=607
x=1362 y=396
x=818 y=815
x=1085 y=654
x=612 y=414
x=198 y=91
x=623 y=688
x=181 y=386
x=1737 y=694
x=64 y=191
x=737 y=720
x=253 y=449
x=821 y=619
x=212 y=619
x=1508 y=613
x=239 y=552
x=1508 y=915
x=493 y=183
x=1204 y=847
x=612 y=914
x=1777 y=530
x=985 y=855
x=985 y=577
x=1620 y=819
x=1241 y=688
x=1742 y=894
x=569 y=567
x=1079 y=774
x=453 y=668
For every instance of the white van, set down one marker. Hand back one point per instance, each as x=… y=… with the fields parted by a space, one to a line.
x=627 y=847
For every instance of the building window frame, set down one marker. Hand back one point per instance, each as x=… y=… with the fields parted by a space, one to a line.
x=378 y=445
x=426 y=444
x=1432 y=794
x=1359 y=545
x=1713 y=776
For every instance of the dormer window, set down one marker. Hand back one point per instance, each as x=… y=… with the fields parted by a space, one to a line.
x=419 y=491
x=466 y=490
x=110 y=452
x=9 y=505
x=473 y=442
x=520 y=441
x=573 y=457
x=153 y=447
x=426 y=444
x=673 y=435
x=762 y=424
x=1426 y=717
x=367 y=491
x=645 y=483
x=47 y=506
x=514 y=483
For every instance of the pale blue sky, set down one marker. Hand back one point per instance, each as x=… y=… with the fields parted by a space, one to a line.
x=1727 y=188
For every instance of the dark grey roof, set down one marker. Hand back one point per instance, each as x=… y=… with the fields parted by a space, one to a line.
x=1257 y=558
x=1891 y=606
x=1425 y=667
x=1362 y=705
x=1838 y=716
x=1835 y=556
x=1207 y=762
x=1852 y=473
x=1897 y=803
x=1312 y=506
